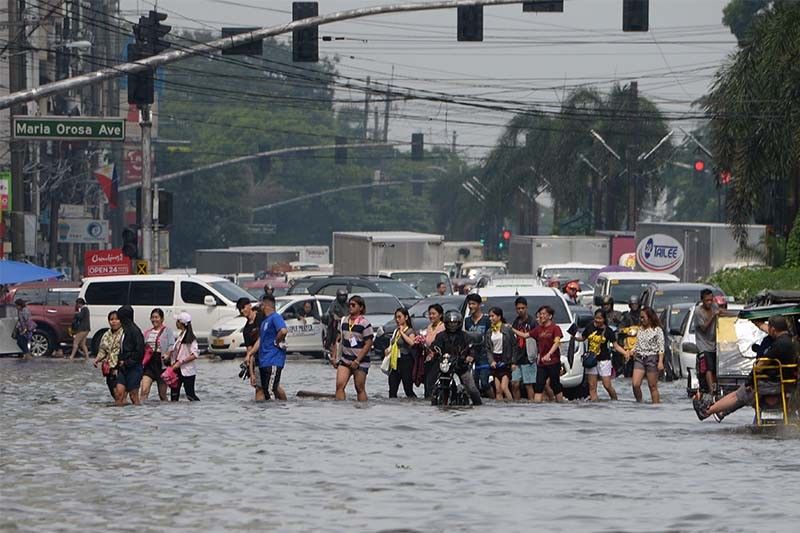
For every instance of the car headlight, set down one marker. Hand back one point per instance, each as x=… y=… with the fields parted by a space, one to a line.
x=444 y=366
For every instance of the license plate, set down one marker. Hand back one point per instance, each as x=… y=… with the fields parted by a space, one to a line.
x=217 y=342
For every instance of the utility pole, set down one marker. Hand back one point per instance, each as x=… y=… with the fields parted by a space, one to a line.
x=376 y=131
x=455 y=136
x=366 y=111
x=629 y=154
x=17 y=82
x=386 y=109
x=147 y=184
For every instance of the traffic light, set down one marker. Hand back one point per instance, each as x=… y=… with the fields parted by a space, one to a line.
x=253 y=48
x=505 y=237
x=130 y=243
x=635 y=15
x=543 y=6
x=305 y=42
x=340 y=153
x=417 y=146
x=141 y=89
x=164 y=208
x=699 y=166
x=470 y=23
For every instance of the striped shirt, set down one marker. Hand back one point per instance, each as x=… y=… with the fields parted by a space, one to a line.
x=355 y=335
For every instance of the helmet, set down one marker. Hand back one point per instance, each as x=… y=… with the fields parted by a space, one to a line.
x=608 y=300
x=341 y=294
x=453 y=321
x=633 y=300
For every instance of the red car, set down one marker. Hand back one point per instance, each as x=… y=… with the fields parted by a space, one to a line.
x=52 y=306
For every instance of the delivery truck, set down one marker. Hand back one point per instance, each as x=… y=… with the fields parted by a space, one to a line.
x=526 y=253
x=253 y=259
x=693 y=250
x=370 y=252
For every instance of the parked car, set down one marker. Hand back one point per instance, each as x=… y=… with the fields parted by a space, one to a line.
x=622 y=285
x=474 y=269
x=519 y=281
x=305 y=336
x=568 y=271
x=209 y=299
x=571 y=363
x=660 y=295
x=677 y=330
x=52 y=307
x=424 y=281
x=328 y=286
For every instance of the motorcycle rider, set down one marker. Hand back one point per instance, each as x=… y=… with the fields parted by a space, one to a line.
x=455 y=341
x=614 y=317
x=333 y=318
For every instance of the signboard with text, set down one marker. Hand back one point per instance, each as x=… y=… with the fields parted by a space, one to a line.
x=106 y=263
x=5 y=190
x=659 y=253
x=82 y=230
x=74 y=128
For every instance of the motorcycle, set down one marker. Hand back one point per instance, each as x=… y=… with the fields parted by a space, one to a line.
x=449 y=390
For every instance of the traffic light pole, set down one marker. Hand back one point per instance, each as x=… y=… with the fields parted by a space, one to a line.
x=147 y=184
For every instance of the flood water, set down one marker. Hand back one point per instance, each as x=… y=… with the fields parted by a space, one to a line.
x=71 y=462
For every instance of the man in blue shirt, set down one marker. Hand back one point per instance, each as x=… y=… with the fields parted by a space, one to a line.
x=271 y=351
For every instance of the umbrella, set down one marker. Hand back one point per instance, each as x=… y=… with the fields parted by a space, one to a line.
x=16 y=272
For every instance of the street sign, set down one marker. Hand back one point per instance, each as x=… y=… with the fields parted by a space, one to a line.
x=141 y=267
x=72 y=128
x=106 y=263
x=5 y=190
x=82 y=230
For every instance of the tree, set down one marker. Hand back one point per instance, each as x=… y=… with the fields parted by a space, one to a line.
x=754 y=106
x=739 y=16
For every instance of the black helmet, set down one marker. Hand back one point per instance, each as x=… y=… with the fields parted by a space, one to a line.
x=633 y=300
x=341 y=294
x=453 y=321
x=608 y=300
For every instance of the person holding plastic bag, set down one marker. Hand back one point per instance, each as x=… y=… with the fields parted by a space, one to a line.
x=182 y=358
x=399 y=357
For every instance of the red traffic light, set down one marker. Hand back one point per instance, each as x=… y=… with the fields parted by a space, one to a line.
x=699 y=165
x=506 y=234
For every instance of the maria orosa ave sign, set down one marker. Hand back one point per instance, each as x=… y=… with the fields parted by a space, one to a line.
x=659 y=253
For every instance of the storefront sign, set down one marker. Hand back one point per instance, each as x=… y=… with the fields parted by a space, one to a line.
x=659 y=253
x=106 y=263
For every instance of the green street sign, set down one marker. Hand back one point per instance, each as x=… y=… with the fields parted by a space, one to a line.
x=70 y=128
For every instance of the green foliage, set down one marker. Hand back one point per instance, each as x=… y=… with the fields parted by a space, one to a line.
x=793 y=245
x=755 y=129
x=744 y=284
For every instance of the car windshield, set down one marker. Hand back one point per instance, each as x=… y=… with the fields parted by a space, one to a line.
x=424 y=282
x=677 y=315
x=230 y=290
x=397 y=288
x=623 y=289
x=506 y=303
x=300 y=286
x=381 y=305
x=566 y=274
x=662 y=299
x=476 y=272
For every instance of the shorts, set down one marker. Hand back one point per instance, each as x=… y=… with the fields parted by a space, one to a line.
x=363 y=365
x=603 y=369
x=648 y=363
x=154 y=368
x=745 y=396
x=501 y=372
x=524 y=373
x=269 y=379
x=707 y=361
x=130 y=376
x=551 y=372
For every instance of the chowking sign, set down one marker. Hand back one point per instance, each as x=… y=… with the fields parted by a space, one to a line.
x=659 y=253
x=106 y=263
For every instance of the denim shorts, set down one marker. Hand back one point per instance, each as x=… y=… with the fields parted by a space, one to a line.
x=524 y=373
x=130 y=376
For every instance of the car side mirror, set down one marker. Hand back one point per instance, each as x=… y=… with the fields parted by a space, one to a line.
x=288 y=315
x=689 y=347
x=674 y=331
x=209 y=300
x=584 y=320
x=598 y=301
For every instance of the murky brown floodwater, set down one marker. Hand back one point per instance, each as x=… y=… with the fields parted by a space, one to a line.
x=71 y=462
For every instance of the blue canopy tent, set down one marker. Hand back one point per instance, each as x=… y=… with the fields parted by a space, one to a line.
x=16 y=272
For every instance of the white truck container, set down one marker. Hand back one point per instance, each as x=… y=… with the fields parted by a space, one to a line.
x=526 y=253
x=691 y=250
x=454 y=251
x=368 y=253
x=251 y=259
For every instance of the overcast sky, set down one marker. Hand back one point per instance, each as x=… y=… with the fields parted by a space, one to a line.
x=525 y=57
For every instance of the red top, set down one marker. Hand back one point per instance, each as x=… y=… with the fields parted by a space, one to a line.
x=545 y=335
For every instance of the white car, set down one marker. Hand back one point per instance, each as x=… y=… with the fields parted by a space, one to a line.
x=684 y=340
x=572 y=368
x=305 y=335
x=474 y=269
x=622 y=285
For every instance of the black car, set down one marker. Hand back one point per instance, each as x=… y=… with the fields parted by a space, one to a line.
x=660 y=295
x=328 y=286
x=419 y=318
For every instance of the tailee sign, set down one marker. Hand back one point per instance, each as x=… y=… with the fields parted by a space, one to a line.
x=106 y=263
x=659 y=253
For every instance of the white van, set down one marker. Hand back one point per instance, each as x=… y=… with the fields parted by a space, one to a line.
x=622 y=285
x=207 y=298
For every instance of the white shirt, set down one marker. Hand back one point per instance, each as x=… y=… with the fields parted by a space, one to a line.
x=497 y=342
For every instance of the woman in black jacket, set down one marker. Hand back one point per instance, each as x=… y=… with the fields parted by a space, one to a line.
x=131 y=353
x=499 y=342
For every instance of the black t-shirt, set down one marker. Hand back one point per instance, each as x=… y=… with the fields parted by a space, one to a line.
x=251 y=329
x=783 y=349
x=598 y=341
